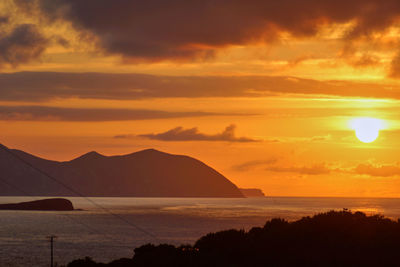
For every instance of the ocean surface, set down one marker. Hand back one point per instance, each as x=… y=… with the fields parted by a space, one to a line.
x=115 y=226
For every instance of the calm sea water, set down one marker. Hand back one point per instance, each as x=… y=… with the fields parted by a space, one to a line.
x=94 y=232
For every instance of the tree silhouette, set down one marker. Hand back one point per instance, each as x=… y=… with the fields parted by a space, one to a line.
x=334 y=238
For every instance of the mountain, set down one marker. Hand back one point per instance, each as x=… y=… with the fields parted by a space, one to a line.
x=147 y=173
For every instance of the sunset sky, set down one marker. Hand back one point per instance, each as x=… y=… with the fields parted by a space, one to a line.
x=266 y=92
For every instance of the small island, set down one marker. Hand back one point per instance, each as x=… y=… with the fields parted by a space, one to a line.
x=53 y=204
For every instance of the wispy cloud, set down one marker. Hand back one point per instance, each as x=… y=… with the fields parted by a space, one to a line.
x=249 y=165
x=321 y=138
x=364 y=169
x=193 y=134
x=395 y=67
x=43 y=113
x=377 y=170
x=316 y=169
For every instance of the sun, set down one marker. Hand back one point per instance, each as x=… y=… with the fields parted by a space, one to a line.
x=366 y=129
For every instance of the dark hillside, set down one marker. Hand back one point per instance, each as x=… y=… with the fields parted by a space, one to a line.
x=147 y=173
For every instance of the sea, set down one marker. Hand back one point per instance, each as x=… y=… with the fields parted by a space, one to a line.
x=111 y=228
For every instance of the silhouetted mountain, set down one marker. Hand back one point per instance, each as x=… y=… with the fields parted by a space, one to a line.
x=335 y=238
x=252 y=192
x=60 y=204
x=147 y=173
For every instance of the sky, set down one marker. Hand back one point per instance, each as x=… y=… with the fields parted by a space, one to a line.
x=269 y=93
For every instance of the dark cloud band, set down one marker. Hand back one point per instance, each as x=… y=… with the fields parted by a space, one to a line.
x=180 y=29
x=39 y=86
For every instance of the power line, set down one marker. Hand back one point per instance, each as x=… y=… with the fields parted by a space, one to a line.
x=78 y=193
x=91 y=229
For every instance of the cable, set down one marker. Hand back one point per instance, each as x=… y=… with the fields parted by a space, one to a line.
x=78 y=193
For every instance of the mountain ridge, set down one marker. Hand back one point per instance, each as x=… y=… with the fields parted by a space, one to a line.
x=145 y=173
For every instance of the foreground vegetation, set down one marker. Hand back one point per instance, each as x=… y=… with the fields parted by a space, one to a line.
x=335 y=238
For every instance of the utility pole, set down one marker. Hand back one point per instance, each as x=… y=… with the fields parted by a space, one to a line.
x=51 y=238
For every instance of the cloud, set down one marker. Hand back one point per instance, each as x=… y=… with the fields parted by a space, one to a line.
x=39 y=86
x=124 y=136
x=321 y=168
x=43 y=113
x=377 y=170
x=395 y=67
x=4 y=19
x=321 y=138
x=298 y=60
x=368 y=169
x=249 y=165
x=193 y=134
x=178 y=29
x=22 y=44
x=316 y=169
x=364 y=61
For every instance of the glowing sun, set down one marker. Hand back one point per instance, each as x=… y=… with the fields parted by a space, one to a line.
x=366 y=129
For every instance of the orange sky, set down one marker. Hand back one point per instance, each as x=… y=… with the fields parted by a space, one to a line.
x=263 y=91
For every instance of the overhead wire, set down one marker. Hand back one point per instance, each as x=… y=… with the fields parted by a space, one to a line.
x=119 y=217
x=90 y=228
